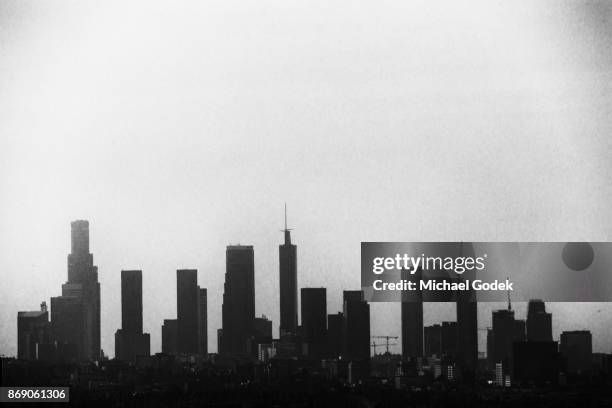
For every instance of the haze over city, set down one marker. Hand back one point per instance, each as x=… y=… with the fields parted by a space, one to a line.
x=189 y=132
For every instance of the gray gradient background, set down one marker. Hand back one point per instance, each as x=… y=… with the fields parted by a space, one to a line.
x=177 y=129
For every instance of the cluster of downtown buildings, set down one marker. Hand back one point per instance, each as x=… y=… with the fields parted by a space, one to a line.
x=517 y=350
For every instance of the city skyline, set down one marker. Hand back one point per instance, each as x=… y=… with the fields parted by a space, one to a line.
x=81 y=258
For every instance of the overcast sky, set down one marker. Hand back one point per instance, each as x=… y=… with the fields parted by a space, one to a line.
x=177 y=129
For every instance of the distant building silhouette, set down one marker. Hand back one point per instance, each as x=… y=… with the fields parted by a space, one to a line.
x=449 y=338
x=287 y=257
x=539 y=322
x=467 y=324
x=170 y=336
x=412 y=321
x=238 y=308
x=335 y=334
x=577 y=348
x=187 y=294
x=33 y=330
x=203 y=322
x=433 y=340
x=130 y=341
x=75 y=316
x=314 y=320
x=356 y=326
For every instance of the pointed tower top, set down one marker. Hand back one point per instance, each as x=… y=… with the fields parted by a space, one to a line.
x=287 y=231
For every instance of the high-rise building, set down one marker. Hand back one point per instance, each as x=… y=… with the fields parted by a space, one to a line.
x=203 y=322
x=287 y=258
x=577 y=347
x=314 y=320
x=170 y=336
x=449 y=338
x=467 y=323
x=433 y=340
x=187 y=295
x=75 y=316
x=238 y=308
x=33 y=329
x=335 y=335
x=539 y=323
x=412 y=321
x=503 y=337
x=130 y=341
x=356 y=326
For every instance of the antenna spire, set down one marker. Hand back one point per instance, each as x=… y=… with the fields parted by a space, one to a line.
x=509 y=304
x=285 y=216
x=287 y=231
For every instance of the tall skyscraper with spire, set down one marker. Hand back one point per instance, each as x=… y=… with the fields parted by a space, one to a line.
x=75 y=316
x=287 y=257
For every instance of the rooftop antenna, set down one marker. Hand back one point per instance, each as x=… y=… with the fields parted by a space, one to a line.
x=508 y=291
x=286 y=230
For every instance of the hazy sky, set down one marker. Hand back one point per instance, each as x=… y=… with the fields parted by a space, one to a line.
x=177 y=129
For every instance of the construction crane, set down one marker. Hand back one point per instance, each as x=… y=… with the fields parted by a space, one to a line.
x=387 y=344
x=387 y=338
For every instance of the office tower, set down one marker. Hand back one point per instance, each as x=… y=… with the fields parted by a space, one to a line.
x=503 y=337
x=130 y=341
x=539 y=323
x=356 y=326
x=449 y=338
x=170 y=336
x=187 y=295
x=238 y=308
x=33 y=329
x=314 y=320
x=262 y=332
x=335 y=335
x=433 y=340
x=75 y=316
x=287 y=258
x=412 y=320
x=519 y=330
x=467 y=322
x=203 y=322
x=577 y=348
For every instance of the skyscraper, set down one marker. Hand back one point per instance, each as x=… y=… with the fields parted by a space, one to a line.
x=467 y=322
x=539 y=322
x=412 y=321
x=187 y=294
x=287 y=258
x=32 y=329
x=356 y=326
x=238 y=309
x=130 y=341
x=314 y=320
x=75 y=316
x=335 y=335
x=203 y=322
x=170 y=336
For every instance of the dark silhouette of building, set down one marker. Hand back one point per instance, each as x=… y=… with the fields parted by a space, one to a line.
x=335 y=335
x=503 y=338
x=75 y=316
x=577 y=348
x=130 y=341
x=33 y=330
x=449 y=338
x=262 y=334
x=412 y=321
x=314 y=320
x=170 y=336
x=203 y=321
x=539 y=322
x=535 y=362
x=433 y=340
x=187 y=294
x=356 y=326
x=287 y=258
x=467 y=323
x=238 y=309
